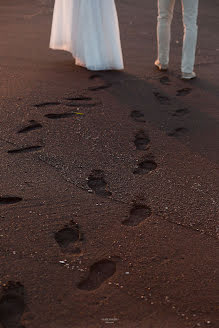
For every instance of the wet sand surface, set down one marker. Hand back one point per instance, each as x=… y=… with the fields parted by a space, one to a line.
x=109 y=181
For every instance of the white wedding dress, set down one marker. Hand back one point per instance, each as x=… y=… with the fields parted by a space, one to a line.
x=88 y=29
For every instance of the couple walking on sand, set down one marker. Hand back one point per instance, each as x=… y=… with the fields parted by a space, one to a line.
x=89 y=29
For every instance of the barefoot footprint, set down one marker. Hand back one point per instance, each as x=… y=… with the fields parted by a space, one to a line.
x=141 y=140
x=100 y=87
x=53 y=116
x=145 y=166
x=97 y=183
x=68 y=236
x=165 y=80
x=137 y=215
x=12 y=305
x=137 y=116
x=178 y=132
x=181 y=112
x=183 y=92
x=99 y=272
x=80 y=98
x=161 y=98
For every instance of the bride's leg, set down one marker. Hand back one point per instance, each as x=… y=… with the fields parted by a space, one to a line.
x=165 y=15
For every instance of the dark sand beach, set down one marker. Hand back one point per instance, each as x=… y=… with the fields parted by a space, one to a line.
x=109 y=181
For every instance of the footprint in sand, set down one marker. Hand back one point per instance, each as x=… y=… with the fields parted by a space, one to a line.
x=161 y=98
x=165 y=80
x=146 y=166
x=138 y=214
x=80 y=98
x=12 y=305
x=95 y=76
x=137 y=116
x=6 y=200
x=181 y=112
x=75 y=102
x=24 y=150
x=142 y=140
x=53 y=116
x=33 y=126
x=99 y=272
x=183 y=92
x=45 y=104
x=68 y=236
x=96 y=182
x=178 y=132
x=100 y=87
x=83 y=105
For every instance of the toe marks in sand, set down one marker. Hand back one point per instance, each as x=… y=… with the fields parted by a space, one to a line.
x=96 y=182
x=138 y=214
x=12 y=304
x=99 y=272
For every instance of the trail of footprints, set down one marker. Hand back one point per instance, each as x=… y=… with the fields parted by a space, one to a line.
x=69 y=237
x=74 y=102
x=179 y=131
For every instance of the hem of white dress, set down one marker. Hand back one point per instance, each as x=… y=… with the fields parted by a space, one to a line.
x=90 y=68
x=101 y=68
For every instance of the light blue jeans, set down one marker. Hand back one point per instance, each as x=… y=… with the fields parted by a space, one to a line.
x=165 y=15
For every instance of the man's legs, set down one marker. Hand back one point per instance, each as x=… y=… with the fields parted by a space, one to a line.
x=190 y=13
x=165 y=15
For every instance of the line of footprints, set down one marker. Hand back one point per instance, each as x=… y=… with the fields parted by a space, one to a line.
x=180 y=112
x=70 y=237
